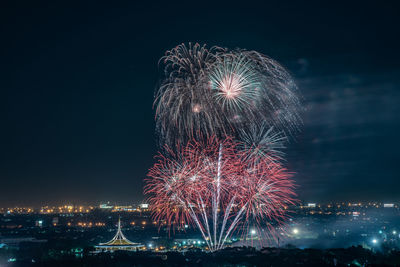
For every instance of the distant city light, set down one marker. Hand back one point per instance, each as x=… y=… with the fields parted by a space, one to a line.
x=79 y=221
x=105 y=206
x=144 y=206
x=39 y=223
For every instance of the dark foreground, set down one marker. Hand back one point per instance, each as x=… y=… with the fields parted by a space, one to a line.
x=354 y=256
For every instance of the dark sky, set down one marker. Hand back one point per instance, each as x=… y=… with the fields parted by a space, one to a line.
x=77 y=85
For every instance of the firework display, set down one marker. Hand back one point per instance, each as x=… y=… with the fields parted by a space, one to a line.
x=217 y=92
x=218 y=187
x=223 y=117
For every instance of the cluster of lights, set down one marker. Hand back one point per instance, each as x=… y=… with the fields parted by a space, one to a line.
x=89 y=224
x=375 y=241
x=189 y=243
x=151 y=246
x=349 y=204
x=394 y=232
x=19 y=210
x=144 y=223
x=65 y=209
x=126 y=208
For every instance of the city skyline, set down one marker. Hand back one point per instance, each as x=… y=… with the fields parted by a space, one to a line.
x=66 y=207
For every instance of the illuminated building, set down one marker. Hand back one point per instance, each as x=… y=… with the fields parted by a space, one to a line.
x=144 y=206
x=119 y=242
x=106 y=206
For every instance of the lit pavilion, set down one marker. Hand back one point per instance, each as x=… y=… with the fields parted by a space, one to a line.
x=119 y=242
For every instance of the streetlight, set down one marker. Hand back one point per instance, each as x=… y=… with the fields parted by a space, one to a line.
x=253 y=232
x=295 y=231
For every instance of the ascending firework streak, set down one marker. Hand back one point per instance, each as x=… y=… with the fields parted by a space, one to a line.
x=223 y=117
x=230 y=187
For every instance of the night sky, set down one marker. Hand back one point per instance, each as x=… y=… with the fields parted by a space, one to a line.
x=77 y=86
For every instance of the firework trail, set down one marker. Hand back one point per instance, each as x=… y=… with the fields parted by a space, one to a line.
x=218 y=191
x=222 y=117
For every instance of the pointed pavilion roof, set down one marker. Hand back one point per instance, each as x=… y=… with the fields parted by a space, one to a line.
x=119 y=239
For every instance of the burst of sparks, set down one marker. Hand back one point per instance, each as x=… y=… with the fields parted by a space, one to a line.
x=217 y=91
x=264 y=141
x=235 y=81
x=222 y=117
x=218 y=188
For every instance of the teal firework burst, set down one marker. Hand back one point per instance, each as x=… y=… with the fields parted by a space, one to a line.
x=234 y=81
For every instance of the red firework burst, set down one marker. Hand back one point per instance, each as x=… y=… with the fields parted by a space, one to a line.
x=219 y=188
